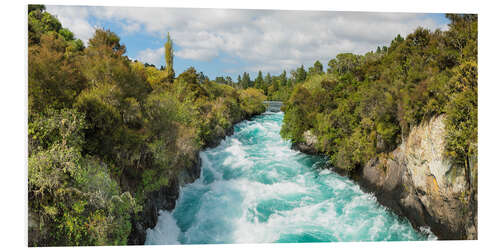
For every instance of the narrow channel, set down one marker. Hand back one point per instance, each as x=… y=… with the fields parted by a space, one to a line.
x=254 y=188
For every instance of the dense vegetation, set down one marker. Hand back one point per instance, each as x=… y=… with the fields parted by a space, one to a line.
x=365 y=105
x=103 y=131
x=276 y=88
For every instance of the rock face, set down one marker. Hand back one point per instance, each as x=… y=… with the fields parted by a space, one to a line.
x=418 y=182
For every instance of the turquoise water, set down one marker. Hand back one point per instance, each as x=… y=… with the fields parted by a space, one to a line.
x=253 y=188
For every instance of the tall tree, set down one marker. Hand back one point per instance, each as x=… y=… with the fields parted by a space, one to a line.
x=220 y=79
x=283 y=78
x=301 y=74
x=317 y=69
x=169 y=59
x=238 y=81
x=245 y=80
x=267 y=79
x=202 y=78
x=229 y=81
x=259 y=81
x=275 y=84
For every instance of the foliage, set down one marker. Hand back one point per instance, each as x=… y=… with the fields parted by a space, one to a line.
x=251 y=101
x=296 y=121
x=316 y=69
x=461 y=120
x=69 y=191
x=169 y=59
x=48 y=63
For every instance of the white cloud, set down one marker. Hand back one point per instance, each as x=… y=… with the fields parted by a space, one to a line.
x=75 y=19
x=130 y=27
x=153 y=56
x=265 y=39
x=197 y=54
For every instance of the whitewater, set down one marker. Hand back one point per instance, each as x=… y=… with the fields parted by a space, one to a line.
x=254 y=188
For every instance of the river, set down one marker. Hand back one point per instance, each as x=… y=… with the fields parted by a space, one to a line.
x=253 y=188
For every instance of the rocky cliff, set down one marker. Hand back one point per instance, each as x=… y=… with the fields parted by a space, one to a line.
x=418 y=182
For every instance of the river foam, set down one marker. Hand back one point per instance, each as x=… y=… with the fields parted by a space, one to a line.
x=253 y=188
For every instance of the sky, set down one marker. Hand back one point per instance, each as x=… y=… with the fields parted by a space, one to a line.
x=228 y=42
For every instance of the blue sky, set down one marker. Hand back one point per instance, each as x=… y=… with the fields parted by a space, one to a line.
x=229 y=42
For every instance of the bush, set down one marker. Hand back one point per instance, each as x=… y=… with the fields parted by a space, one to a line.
x=73 y=197
x=251 y=101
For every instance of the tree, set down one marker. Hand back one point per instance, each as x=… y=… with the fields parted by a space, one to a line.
x=190 y=76
x=317 y=69
x=259 y=81
x=275 y=84
x=105 y=64
x=40 y=22
x=229 y=81
x=54 y=79
x=301 y=74
x=108 y=42
x=245 y=80
x=220 y=79
x=462 y=34
x=267 y=79
x=202 y=78
x=396 y=41
x=33 y=7
x=169 y=59
x=461 y=120
x=238 y=81
x=283 y=79
x=149 y=65
x=345 y=63
x=298 y=110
